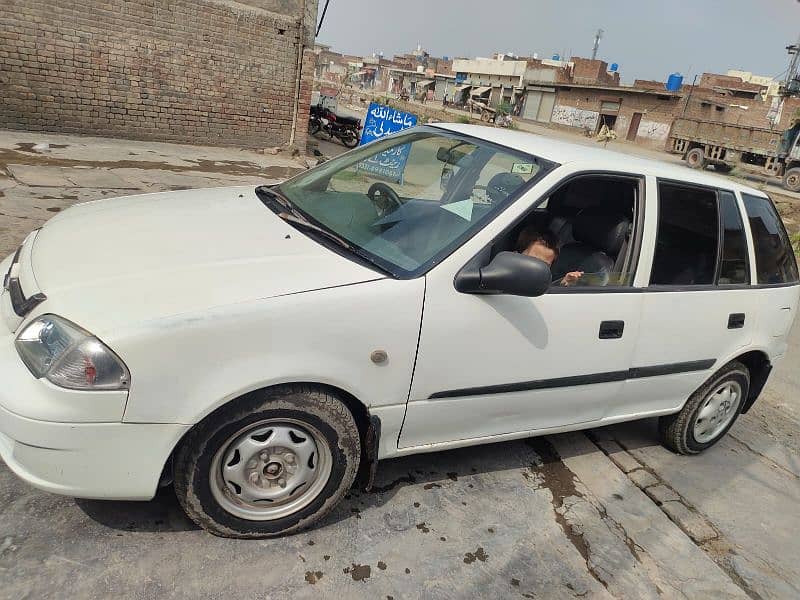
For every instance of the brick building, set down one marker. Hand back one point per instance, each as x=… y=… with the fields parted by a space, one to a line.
x=201 y=71
x=645 y=111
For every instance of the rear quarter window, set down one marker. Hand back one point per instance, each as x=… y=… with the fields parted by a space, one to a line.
x=775 y=260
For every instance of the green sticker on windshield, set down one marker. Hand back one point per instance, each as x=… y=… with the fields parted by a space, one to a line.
x=526 y=168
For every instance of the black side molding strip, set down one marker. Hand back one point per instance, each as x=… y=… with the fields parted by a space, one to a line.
x=557 y=382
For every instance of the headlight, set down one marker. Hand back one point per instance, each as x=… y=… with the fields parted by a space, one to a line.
x=70 y=357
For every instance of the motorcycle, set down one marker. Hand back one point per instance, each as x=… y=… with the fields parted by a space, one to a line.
x=345 y=128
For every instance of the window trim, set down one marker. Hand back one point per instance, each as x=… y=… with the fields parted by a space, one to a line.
x=638 y=232
x=754 y=276
x=660 y=287
x=749 y=278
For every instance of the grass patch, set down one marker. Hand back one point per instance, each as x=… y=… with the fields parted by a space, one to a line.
x=464 y=119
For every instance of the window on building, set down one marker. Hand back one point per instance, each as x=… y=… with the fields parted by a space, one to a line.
x=775 y=261
x=735 y=264
x=687 y=237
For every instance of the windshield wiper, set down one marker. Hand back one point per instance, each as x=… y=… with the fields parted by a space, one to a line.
x=284 y=208
x=308 y=225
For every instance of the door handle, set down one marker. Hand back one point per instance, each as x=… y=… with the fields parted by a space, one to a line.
x=735 y=320
x=611 y=330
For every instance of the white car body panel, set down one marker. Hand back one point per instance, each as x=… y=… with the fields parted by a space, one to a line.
x=207 y=295
x=223 y=247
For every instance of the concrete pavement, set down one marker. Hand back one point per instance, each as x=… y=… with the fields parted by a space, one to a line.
x=608 y=514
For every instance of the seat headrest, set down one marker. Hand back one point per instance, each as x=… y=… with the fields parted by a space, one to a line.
x=602 y=230
x=502 y=185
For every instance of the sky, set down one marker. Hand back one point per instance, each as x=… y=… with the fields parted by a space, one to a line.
x=649 y=39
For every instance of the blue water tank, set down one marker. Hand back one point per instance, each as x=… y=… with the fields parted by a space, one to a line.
x=556 y=57
x=614 y=67
x=674 y=82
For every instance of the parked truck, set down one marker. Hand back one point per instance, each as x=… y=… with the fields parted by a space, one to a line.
x=757 y=150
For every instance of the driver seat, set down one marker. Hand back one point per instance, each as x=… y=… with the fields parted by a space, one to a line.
x=599 y=238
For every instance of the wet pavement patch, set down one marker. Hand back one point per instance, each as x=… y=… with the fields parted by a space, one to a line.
x=313 y=577
x=358 y=572
x=380 y=489
x=479 y=554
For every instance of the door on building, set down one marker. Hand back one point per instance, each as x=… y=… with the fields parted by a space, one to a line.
x=634 y=128
x=609 y=120
x=538 y=105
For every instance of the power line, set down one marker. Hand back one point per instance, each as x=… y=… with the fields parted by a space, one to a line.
x=324 y=10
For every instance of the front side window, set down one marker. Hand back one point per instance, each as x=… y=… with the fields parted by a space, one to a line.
x=775 y=260
x=688 y=236
x=735 y=267
x=408 y=200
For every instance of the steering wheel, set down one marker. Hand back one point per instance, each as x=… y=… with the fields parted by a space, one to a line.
x=384 y=198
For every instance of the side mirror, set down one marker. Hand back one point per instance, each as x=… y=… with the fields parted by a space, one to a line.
x=508 y=273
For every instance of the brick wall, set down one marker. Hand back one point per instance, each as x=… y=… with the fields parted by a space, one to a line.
x=200 y=71
x=581 y=108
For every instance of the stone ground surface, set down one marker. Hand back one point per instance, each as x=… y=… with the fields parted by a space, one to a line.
x=603 y=514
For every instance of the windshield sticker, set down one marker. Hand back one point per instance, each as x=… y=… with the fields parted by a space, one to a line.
x=526 y=168
x=463 y=208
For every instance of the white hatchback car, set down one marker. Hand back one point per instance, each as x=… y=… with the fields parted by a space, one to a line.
x=266 y=346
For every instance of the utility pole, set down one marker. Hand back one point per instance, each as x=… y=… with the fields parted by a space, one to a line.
x=792 y=85
x=597 y=37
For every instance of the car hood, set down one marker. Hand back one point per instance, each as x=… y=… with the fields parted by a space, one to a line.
x=142 y=257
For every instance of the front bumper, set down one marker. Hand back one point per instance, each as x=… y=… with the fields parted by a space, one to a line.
x=120 y=461
x=74 y=443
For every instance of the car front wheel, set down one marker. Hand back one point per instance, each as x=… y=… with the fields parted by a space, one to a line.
x=269 y=463
x=708 y=413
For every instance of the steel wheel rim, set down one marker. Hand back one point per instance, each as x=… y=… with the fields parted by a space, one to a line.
x=270 y=469
x=717 y=411
x=793 y=180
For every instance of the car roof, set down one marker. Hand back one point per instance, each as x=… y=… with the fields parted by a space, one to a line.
x=564 y=152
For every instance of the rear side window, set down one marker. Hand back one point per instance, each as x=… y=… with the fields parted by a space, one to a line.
x=687 y=237
x=735 y=264
x=775 y=261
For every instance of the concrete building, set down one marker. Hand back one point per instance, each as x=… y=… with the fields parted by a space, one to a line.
x=491 y=80
x=772 y=85
x=201 y=71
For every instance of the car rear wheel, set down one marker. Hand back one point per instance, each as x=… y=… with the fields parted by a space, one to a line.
x=269 y=463
x=696 y=159
x=708 y=413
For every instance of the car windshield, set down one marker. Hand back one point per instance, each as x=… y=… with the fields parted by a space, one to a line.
x=407 y=201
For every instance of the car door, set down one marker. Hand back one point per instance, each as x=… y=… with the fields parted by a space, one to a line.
x=492 y=365
x=697 y=308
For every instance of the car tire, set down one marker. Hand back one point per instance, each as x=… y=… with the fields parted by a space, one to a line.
x=270 y=463
x=696 y=159
x=791 y=179
x=708 y=413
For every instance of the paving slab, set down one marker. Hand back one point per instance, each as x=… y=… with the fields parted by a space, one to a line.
x=39 y=176
x=675 y=563
x=97 y=178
